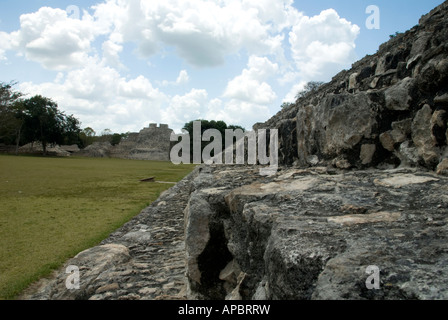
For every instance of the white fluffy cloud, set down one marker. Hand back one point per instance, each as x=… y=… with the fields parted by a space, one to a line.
x=323 y=44
x=202 y=31
x=183 y=78
x=250 y=86
x=101 y=98
x=92 y=57
x=185 y=108
x=51 y=38
x=111 y=54
x=4 y=44
x=249 y=95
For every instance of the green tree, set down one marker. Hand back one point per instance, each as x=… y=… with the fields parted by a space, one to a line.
x=286 y=105
x=234 y=127
x=309 y=88
x=394 y=35
x=106 y=132
x=87 y=137
x=34 y=119
x=72 y=131
x=11 y=114
x=43 y=121
x=89 y=132
x=115 y=139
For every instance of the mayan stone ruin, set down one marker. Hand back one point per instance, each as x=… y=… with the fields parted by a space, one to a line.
x=362 y=185
x=151 y=143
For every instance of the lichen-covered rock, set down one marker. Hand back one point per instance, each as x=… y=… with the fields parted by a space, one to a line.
x=312 y=234
x=398 y=97
x=335 y=126
x=423 y=138
x=442 y=167
x=96 y=150
x=404 y=82
x=91 y=265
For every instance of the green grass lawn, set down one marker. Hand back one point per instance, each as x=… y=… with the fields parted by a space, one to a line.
x=53 y=208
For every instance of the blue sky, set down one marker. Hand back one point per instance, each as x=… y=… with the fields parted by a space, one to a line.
x=121 y=65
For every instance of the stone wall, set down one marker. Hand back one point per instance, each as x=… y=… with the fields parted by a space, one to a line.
x=313 y=233
x=390 y=109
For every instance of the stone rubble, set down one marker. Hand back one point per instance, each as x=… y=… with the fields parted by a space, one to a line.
x=312 y=234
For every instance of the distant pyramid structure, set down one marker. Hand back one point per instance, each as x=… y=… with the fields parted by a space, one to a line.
x=152 y=143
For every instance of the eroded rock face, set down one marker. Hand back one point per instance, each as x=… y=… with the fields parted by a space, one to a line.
x=406 y=80
x=335 y=126
x=312 y=234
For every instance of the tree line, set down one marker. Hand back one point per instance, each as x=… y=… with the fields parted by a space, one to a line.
x=38 y=118
x=309 y=89
x=25 y=120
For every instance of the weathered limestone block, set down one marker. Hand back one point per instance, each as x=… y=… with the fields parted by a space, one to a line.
x=438 y=126
x=367 y=153
x=374 y=82
x=423 y=138
x=382 y=65
x=442 y=67
x=390 y=138
x=442 y=99
x=91 y=263
x=197 y=219
x=398 y=97
x=387 y=141
x=420 y=45
x=408 y=154
x=345 y=127
x=442 y=168
x=341 y=163
x=353 y=82
x=402 y=127
x=308 y=234
x=335 y=126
